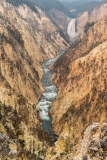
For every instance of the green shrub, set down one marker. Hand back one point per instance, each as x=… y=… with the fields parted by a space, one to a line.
x=88 y=25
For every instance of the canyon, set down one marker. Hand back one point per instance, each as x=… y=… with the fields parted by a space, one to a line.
x=53 y=92
x=76 y=26
x=82 y=89
x=97 y=13
x=26 y=40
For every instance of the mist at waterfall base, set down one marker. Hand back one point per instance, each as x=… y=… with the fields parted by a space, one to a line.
x=48 y=97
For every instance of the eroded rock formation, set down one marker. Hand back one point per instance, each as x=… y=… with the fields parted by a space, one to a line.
x=92 y=147
x=26 y=40
x=98 y=13
x=80 y=75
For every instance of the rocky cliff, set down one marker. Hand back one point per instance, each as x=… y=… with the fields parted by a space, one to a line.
x=93 y=146
x=26 y=40
x=60 y=19
x=94 y=143
x=53 y=9
x=98 y=13
x=80 y=75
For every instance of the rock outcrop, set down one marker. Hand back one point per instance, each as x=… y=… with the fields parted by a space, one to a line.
x=94 y=143
x=92 y=147
x=98 y=13
x=82 y=21
x=60 y=19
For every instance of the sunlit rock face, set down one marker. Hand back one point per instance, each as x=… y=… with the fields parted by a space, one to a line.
x=39 y=26
x=76 y=26
x=92 y=146
x=94 y=143
x=60 y=19
x=19 y=65
x=26 y=40
x=82 y=21
x=98 y=13
x=80 y=76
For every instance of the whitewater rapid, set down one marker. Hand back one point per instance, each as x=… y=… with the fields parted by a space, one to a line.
x=48 y=97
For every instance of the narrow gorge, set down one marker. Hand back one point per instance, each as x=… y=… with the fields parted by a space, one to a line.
x=53 y=80
x=48 y=97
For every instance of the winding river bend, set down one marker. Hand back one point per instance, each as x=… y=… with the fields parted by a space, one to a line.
x=48 y=97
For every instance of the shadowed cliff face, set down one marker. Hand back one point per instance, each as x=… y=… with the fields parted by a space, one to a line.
x=80 y=75
x=60 y=19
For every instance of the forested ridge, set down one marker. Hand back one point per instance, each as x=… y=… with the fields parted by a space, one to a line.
x=45 y=5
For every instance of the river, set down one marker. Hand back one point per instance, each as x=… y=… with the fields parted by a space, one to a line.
x=48 y=97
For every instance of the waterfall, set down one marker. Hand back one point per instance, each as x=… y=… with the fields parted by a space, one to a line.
x=71 y=30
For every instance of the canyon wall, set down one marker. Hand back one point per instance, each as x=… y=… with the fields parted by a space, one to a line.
x=60 y=19
x=98 y=13
x=80 y=75
x=26 y=40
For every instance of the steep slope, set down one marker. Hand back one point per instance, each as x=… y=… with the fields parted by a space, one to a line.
x=92 y=147
x=35 y=34
x=80 y=76
x=96 y=14
x=17 y=65
x=61 y=20
x=39 y=25
x=94 y=143
x=86 y=18
x=26 y=40
x=78 y=7
x=54 y=9
x=45 y=5
x=20 y=88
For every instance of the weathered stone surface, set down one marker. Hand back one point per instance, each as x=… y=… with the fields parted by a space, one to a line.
x=26 y=40
x=80 y=75
x=60 y=19
x=98 y=13
x=92 y=146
